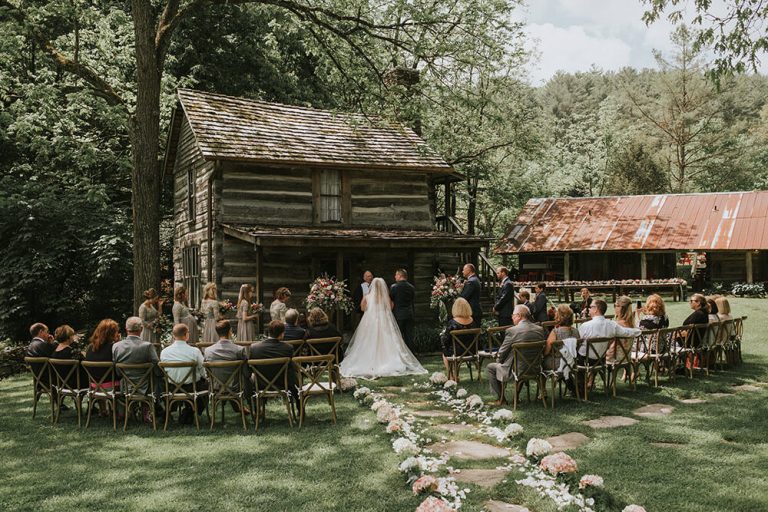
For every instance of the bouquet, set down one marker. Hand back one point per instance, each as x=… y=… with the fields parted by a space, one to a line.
x=446 y=289
x=162 y=325
x=226 y=306
x=327 y=293
x=255 y=309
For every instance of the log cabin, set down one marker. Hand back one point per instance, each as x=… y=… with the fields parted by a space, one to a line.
x=275 y=195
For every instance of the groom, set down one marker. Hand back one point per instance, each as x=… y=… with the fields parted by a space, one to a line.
x=402 y=294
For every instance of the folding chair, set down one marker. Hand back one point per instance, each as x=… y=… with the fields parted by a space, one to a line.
x=266 y=386
x=310 y=371
x=174 y=392
x=226 y=384
x=494 y=337
x=67 y=378
x=592 y=361
x=620 y=358
x=137 y=390
x=526 y=366
x=102 y=385
x=466 y=345
x=41 y=382
x=323 y=346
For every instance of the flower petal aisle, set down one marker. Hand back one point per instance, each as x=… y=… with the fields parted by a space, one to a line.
x=552 y=476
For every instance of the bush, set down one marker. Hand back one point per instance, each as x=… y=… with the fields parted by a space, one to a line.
x=718 y=289
x=426 y=339
x=748 y=290
x=11 y=359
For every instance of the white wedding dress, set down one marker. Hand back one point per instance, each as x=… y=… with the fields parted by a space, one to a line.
x=377 y=348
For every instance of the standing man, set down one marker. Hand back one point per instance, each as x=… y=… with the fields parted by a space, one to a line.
x=539 y=307
x=505 y=301
x=403 y=294
x=471 y=292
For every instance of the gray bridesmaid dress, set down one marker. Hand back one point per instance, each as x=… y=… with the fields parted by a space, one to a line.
x=181 y=315
x=148 y=315
x=246 y=330
x=210 y=308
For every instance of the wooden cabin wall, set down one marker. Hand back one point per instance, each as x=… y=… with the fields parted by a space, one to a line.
x=387 y=199
x=728 y=266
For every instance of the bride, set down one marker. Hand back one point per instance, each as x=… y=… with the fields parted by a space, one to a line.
x=377 y=348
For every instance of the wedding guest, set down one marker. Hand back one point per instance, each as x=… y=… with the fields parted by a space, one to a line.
x=654 y=315
x=524 y=297
x=181 y=352
x=540 y=304
x=182 y=314
x=505 y=302
x=712 y=311
x=586 y=301
x=624 y=316
x=362 y=290
x=100 y=344
x=523 y=330
x=402 y=294
x=471 y=292
x=563 y=329
x=723 y=309
x=41 y=344
x=64 y=337
x=601 y=327
x=225 y=350
x=273 y=347
x=149 y=312
x=210 y=309
x=699 y=316
x=302 y=322
x=279 y=307
x=462 y=319
x=246 y=326
x=292 y=330
x=319 y=326
x=134 y=350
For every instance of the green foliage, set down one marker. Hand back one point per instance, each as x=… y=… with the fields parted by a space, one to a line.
x=748 y=289
x=426 y=339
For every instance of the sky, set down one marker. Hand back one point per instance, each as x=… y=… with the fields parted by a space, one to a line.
x=574 y=35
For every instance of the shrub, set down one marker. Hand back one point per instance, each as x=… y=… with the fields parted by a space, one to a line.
x=748 y=290
x=426 y=339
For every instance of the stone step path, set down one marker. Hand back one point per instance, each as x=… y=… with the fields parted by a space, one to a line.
x=456 y=427
x=469 y=450
x=500 y=506
x=483 y=477
x=653 y=410
x=567 y=441
x=610 y=422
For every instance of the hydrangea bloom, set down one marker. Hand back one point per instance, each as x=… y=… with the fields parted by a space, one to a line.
x=474 y=402
x=386 y=413
x=377 y=404
x=503 y=414
x=433 y=504
x=449 y=384
x=461 y=393
x=513 y=429
x=394 y=426
x=633 y=508
x=347 y=383
x=438 y=378
x=403 y=446
x=558 y=463
x=537 y=447
x=590 y=481
x=425 y=483
x=361 y=393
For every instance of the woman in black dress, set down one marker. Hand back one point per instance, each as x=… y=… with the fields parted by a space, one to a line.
x=461 y=313
x=65 y=336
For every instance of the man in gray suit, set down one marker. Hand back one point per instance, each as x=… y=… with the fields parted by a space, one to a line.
x=133 y=350
x=226 y=350
x=524 y=330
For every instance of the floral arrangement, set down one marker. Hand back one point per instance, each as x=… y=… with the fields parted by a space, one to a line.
x=449 y=384
x=361 y=394
x=474 y=402
x=226 y=306
x=503 y=415
x=162 y=325
x=633 y=508
x=386 y=413
x=590 y=481
x=461 y=393
x=537 y=447
x=445 y=289
x=328 y=294
x=558 y=464
x=255 y=308
x=513 y=429
x=432 y=504
x=404 y=446
x=438 y=379
x=425 y=483
x=347 y=383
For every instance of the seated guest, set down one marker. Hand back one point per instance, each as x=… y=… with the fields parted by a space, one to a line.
x=653 y=315
x=99 y=349
x=712 y=311
x=320 y=327
x=278 y=308
x=64 y=337
x=292 y=330
x=523 y=330
x=181 y=352
x=226 y=350
x=601 y=327
x=40 y=346
x=563 y=329
x=723 y=309
x=134 y=350
x=698 y=316
x=274 y=347
x=462 y=319
x=624 y=316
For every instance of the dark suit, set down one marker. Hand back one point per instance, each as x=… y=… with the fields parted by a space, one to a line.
x=539 y=308
x=357 y=297
x=271 y=348
x=39 y=348
x=293 y=332
x=471 y=292
x=403 y=294
x=505 y=302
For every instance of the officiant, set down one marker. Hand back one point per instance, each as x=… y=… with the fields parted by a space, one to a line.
x=360 y=292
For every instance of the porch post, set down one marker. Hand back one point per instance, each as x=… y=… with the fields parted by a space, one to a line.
x=566 y=266
x=340 y=275
x=749 y=267
x=643 y=266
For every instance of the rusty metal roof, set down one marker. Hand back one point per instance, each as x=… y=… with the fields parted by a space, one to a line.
x=715 y=221
x=230 y=128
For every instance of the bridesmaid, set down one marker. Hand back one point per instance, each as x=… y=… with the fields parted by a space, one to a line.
x=246 y=328
x=278 y=308
x=181 y=314
x=149 y=311
x=210 y=308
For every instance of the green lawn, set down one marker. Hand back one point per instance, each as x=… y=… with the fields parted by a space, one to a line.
x=722 y=464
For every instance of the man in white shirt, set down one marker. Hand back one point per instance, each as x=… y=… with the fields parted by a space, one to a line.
x=601 y=327
x=180 y=352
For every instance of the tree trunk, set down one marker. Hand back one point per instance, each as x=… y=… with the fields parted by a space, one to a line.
x=144 y=132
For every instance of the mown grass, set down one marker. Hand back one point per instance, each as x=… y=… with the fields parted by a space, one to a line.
x=721 y=465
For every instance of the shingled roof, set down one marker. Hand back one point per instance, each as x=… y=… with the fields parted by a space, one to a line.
x=715 y=221
x=230 y=128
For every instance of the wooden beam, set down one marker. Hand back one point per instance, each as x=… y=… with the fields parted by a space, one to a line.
x=346 y=198
x=643 y=265
x=209 y=230
x=339 y=275
x=566 y=266
x=260 y=283
x=750 y=277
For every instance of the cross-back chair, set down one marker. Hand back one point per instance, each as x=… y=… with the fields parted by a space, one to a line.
x=270 y=380
x=699 y=348
x=681 y=349
x=226 y=384
x=67 y=384
x=298 y=346
x=103 y=386
x=311 y=372
x=494 y=337
x=526 y=367
x=323 y=346
x=137 y=384
x=174 y=391
x=592 y=361
x=620 y=356
x=41 y=382
x=466 y=345
x=555 y=373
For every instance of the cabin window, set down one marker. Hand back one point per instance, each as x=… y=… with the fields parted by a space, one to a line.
x=190 y=194
x=330 y=195
x=190 y=274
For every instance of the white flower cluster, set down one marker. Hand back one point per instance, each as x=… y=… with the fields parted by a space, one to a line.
x=403 y=446
x=537 y=447
x=590 y=481
x=347 y=384
x=503 y=415
x=461 y=393
x=474 y=402
x=449 y=385
x=513 y=429
x=438 y=379
x=414 y=466
x=361 y=393
x=633 y=508
x=385 y=412
x=547 y=486
x=449 y=489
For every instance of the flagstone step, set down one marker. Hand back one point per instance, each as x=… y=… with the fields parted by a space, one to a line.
x=567 y=441
x=469 y=450
x=653 y=410
x=500 y=506
x=481 y=477
x=610 y=422
x=457 y=427
x=432 y=414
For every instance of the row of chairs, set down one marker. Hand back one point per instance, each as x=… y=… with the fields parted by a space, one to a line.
x=694 y=347
x=61 y=378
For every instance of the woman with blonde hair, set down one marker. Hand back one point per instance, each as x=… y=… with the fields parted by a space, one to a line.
x=210 y=309
x=246 y=327
x=462 y=319
x=723 y=309
x=563 y=329
x=182 y=315
x=149 y=312
x=278 y=308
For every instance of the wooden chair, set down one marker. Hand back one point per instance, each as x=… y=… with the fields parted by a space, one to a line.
x=245 y=344
x=526 y=367
x=466 y=345
x=310 y=371
x=323 y=346
x=139 y=390
x=298 y=346
x=494 y=337
x=718 y=338
x=652 y=351
x=733 y=347
x=202 y=346
x=618 y=358
x=592 y=361
x=104 y=388
x=226 y=384
x=699 y=347
x=555 y=375
x=41 y=382
x=174 y=392
x=67 y=384
x=266 y=387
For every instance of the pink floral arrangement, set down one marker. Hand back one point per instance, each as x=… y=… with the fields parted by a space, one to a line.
x=558 y=463
x=433 y=504
x=255 y=308
x=226 y=306
x=590 y=481
x=328 y=293
x=445 y=289
x=425 y=484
